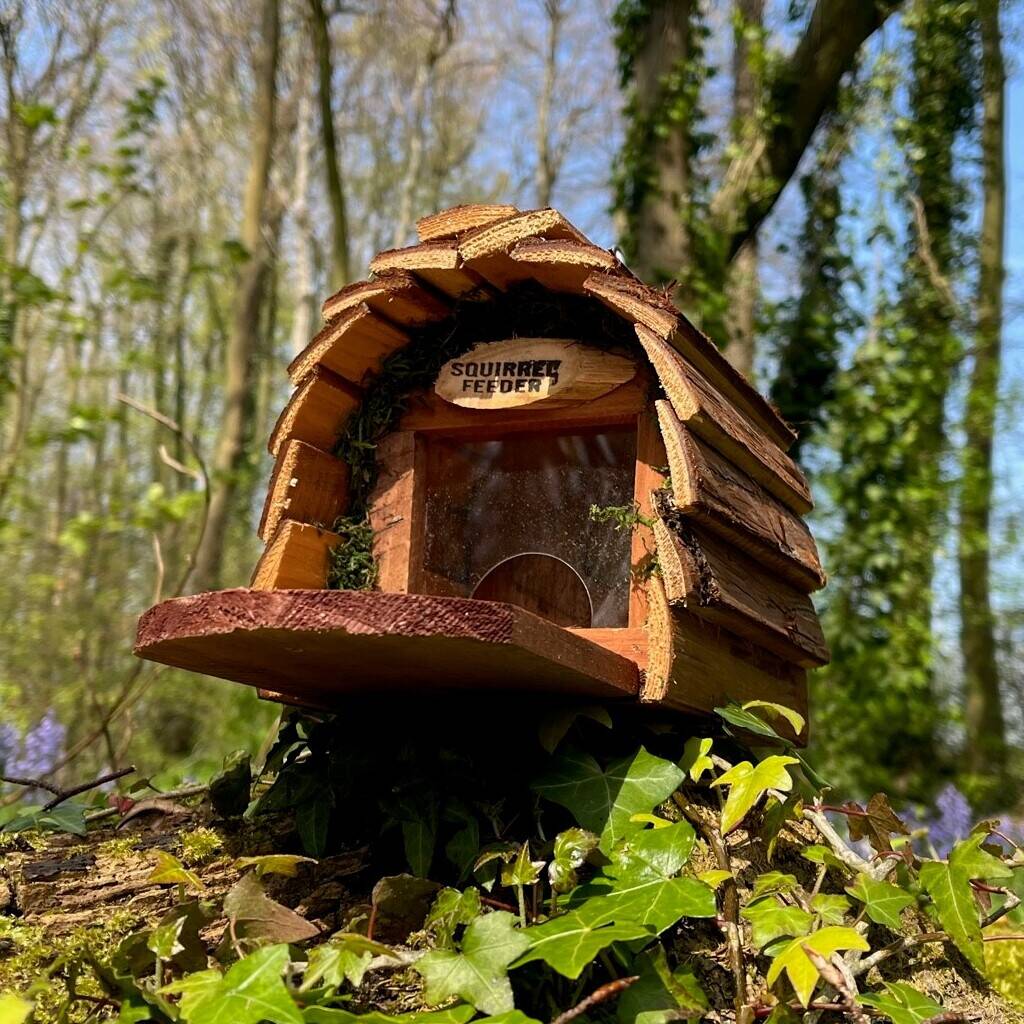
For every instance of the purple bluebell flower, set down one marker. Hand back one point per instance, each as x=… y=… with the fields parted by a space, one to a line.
x=950 y=821
x=39 y=750
x=8 y=743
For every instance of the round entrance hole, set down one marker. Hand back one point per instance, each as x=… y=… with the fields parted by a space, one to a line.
x=542 y=584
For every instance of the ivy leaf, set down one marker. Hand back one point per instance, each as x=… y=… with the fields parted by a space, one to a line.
x=253 y=990
x=823 y=855
x=902 y=1003
x=68 y=817
x=230 y=788
x=163 y=940
x=13 y=1009
x=747 y=784
x=883 y=901
x=771 y=883
x=512 y=1017
x=451 y=909
x=461 y=1013
x=568 y=943
x=195 y=989
x=170 y=871
x=640 y=883
x=661 y=995
x=312 y=820
x=975 y=862
x=776 y=814
x=522 y=871
x=803 y=975
x=747 y=721
x=255 y=915
x=949 y=886
x=695 y=761
x=795 y=719
x=771 y=920
x=556 y=724
x=479 y=973
x=571 y=849
x=830 y=908
x=715 y=877
x=876 y=824
x=603 y=801
x=333 y=963
x=286 y=864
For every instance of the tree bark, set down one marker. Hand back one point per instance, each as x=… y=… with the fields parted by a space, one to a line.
x=243 y=338
x=986 y=741
x=544 y=178
x=662 y=241
x=305 y=296
x=802 y=91
x=743 y=283
x=341 y=270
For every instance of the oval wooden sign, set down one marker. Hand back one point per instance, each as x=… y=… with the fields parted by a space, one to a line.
x=522 y=371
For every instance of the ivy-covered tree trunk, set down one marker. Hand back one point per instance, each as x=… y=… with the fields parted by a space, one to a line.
x=243 y=338
x=986 y=741
x=890 y=490
x=814 y=323
x=743 y=280
x=654 y=182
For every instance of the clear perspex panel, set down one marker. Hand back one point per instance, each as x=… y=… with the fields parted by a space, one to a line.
x=489 y=501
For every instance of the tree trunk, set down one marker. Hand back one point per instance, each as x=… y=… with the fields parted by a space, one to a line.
x=305 y=298
x=544 y=178
x=243 y=337
x=986 y=741
x=341 y=271
x=743 y=285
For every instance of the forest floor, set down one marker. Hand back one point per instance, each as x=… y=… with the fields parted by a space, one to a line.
x=62 y=896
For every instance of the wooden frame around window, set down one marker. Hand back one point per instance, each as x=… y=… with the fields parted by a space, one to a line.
x=397 y=504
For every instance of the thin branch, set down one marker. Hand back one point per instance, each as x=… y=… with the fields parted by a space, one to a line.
x=174 y=794
x=59 y=794
x=600 y=995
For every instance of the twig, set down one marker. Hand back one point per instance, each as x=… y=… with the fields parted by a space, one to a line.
x=730 y=900
x=841 y=980
x=947 y=1017
x=174 y=794
x=59 y=794
x=599 y=995
x=841 y=849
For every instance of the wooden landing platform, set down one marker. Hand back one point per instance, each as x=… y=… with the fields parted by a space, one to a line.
x=321 y=645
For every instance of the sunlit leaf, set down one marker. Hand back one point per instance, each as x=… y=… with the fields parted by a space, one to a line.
x=883 y=901
x=254 y=915
x=831 y=908
x=695 y=761
x=748 y=783
x=794 y=718
x=603 y=801
x=803 y=975
x=274 y=864
x=571 y=848
x=479 y=972
x=450 y=910
x=170 y=871
x=902 y=1003
x=950 y=889
x=13 y=1009
x=771 y=920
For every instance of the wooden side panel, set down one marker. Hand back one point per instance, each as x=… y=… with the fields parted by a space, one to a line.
x=630 y=642
x=709 y=489
x=297 y=558
x=707 y=412
x=397 y=296
x=351 y=346
x=317 y=411
x=724 y=587
x=644 y=305
x=454 y=221
x=693 y=666
x=307 y=485
x=396 y=513
x=650 y=462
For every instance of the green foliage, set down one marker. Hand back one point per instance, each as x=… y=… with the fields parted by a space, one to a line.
x=640 y=906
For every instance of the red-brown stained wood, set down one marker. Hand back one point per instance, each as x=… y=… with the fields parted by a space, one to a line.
x=396 y=296
x=694 y=666
x=328 y=644
x=395 y=510
x=307 y=485
x=711 y=491
x=298 y=557
x=437 y=263
x=561 y=265
x=458 y=219
x=351 y=345
x=642 y=304
x=702 y=408
x=722 y=586
x=317 y=411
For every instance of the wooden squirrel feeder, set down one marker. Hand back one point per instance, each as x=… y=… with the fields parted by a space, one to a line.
x=569 y=489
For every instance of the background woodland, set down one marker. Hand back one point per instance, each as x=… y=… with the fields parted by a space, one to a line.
x=823 y=186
